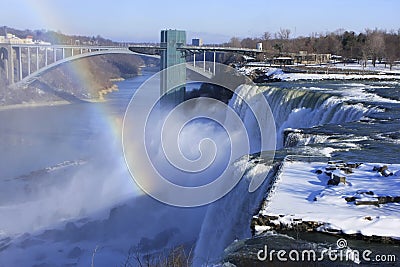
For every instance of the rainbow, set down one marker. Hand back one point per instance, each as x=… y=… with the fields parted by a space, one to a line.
x=48 y=13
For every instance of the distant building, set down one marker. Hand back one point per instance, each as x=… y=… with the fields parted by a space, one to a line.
x=197 y=42
x=336 y=58
x=12 y=39
x=282 y=61
x=303 y=57
x=29 y=39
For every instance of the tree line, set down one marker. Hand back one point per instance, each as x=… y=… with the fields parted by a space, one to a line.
x=372 y=44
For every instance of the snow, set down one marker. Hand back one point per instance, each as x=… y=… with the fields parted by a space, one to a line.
x=274 y=71
x=300 y=193
x=379 y=68
x=311 y=76
x=382 y=72
x=248 y=70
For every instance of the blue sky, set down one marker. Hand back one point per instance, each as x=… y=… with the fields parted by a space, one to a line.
x=214 y=21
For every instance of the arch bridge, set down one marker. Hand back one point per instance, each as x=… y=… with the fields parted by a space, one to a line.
x=25 y=62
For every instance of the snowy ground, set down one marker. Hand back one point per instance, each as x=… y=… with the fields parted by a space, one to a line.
x=332 y=76
x=378 y=67
x=301 y=193
x=382 y=72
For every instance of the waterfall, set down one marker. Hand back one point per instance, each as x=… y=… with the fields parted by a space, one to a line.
x=293 y=138
x=300 y=108
x=229 y=218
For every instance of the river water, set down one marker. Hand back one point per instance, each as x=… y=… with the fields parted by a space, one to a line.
x=66 y=196
x=359 y=119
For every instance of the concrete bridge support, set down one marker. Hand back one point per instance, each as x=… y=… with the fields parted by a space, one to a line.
x=19 y=60
x=6 y=56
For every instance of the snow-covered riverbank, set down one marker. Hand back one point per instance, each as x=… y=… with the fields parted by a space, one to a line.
x=355 y=206
x=262 y=73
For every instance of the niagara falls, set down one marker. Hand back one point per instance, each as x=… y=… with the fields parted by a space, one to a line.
x=204 y=134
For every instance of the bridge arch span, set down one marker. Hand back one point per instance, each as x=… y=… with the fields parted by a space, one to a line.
x=30 y=78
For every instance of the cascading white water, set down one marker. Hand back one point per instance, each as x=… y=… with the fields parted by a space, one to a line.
x=229 y=218
x=298 y=138
x=294 y=108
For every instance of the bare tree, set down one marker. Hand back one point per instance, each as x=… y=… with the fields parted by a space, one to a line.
x=249 y=43
x=235 y=42
x=392 y=42
x=327 y=43
x=282 y=44
x=283 y=34
x=371 y=44
x=266 y=36
x=375 y=44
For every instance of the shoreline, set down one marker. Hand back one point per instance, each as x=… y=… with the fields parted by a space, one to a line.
x=265 y=75
x=262 y=224
x=34 y=105
x=288 y=77
x=100 y=99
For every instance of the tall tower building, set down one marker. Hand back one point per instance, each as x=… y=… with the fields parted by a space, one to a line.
x=174 y=78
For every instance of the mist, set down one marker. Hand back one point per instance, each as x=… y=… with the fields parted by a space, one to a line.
x=80 y=180
x=65 y=179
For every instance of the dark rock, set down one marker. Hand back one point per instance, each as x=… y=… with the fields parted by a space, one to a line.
x=370 y=193
x=374 y=202
x=332 y=162
x=376 y=168
x=333 y=182
x=353 y=165
x=336 y=179
x=347 y=170
x=350 y=199
x=383 y=170
x=386 y=173
x=384 y=167
x=388 y=199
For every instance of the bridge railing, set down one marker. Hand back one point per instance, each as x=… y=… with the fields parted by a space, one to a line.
x=44 y=55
